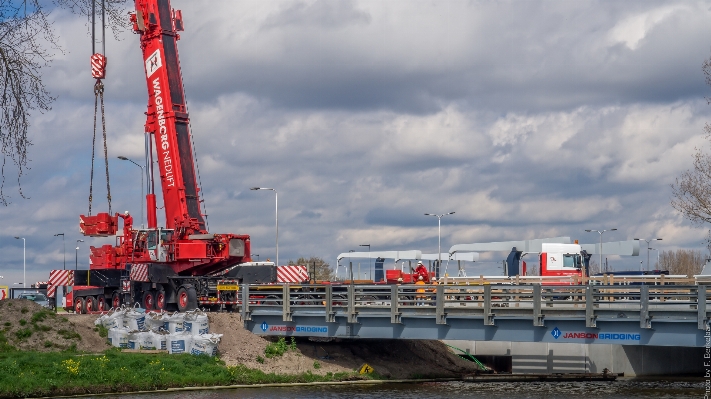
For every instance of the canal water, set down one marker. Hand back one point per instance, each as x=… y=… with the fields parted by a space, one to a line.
x=620 y=389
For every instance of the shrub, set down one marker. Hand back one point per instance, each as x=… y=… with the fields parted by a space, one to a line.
x=260 y=359
x=24 y=310
x=8 y=324
x=66 y=334
x=23 y=333
x=48 y=344
x=317 y=365
x=23 y=322
x=41 y=315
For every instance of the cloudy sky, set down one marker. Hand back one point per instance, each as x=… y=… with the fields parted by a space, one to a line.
x=528 y=118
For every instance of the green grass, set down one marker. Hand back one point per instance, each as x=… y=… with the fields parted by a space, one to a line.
x=64 y=373
x=23 y=333
x=280 y=347
x=66 y=334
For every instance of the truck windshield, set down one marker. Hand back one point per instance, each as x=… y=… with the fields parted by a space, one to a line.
x=572 y=261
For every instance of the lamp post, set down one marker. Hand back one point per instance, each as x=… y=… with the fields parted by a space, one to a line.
x=24 y=269
x=350 y=264
x=653 y=249
x=276 y=206
x=439 y=236
x=648 y=249
x=76 y=257
x=370 y=273
x=142 y=173
x=600 y=232
x=257 y=255
x=64 y=249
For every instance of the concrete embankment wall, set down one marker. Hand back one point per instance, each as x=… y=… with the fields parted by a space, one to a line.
x=539 y=357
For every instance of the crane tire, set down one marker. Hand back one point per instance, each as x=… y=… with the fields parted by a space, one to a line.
x=187 y=298
x=79 y=305
x=116 y=300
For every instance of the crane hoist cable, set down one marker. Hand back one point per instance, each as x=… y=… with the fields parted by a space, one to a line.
x=98 y=71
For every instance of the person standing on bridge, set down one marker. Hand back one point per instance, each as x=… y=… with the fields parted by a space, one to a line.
x=420 y=297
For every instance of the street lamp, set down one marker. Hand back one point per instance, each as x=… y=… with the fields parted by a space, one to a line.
x=24 y=270
x=64 y=249
x=653 y=249
x=142 y=173
x=439 y=237
x=600 y=232
x=276 y=206
x=370 y=272
x=648 y=249
x=257 y=255
x=76 y=258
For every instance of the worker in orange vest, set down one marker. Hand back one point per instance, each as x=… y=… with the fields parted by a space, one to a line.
x=420 y=292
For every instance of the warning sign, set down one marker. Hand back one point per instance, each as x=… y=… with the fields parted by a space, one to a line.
x=366 y=369
x=3 y=292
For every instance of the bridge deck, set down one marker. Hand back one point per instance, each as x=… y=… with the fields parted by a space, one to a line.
x=669 y=315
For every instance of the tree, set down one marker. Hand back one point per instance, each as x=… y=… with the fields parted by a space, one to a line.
x=27 y=44
x=691 y=193
x=682 y=261
x=317 y=267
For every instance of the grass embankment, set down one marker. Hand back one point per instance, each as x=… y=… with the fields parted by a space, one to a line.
x=60 y=373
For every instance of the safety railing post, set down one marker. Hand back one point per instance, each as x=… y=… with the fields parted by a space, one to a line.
x=286 y=303
x=395 y=314
x=701 y=306
x=439 y=298
x=352 y=313
x=590 y=318
x=246 y=311
x=537 y=315
x=644 y=319
x=488 y=315
x=328 y=299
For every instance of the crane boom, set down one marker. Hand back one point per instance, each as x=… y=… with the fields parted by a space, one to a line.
x=167 y=117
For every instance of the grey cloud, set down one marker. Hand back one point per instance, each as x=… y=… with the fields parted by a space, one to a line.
x=321 y=13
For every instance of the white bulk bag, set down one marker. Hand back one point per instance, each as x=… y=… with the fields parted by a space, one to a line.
x=196 y=323
x=133 y=338
x=134 y=319
x=179 y=343
x=155 y=321
x=119 y=337
x=113 y=319
x=175 y=322
x=205 y=344
x=160 y=339
x=145 y=340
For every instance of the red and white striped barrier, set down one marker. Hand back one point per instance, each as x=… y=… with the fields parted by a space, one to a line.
x=292 y=274
x=57 y=278
x=139 y=273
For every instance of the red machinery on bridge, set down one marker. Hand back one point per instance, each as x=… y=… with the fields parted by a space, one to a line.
x=180 y=265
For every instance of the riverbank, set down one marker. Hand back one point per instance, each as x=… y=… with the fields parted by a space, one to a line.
x=45 y=354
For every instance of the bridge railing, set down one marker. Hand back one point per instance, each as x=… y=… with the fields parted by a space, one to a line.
x=488 y=302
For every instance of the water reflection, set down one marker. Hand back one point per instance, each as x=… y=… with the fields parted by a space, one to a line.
x=621 y=389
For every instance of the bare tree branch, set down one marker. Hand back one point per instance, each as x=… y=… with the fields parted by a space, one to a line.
x=27 y=44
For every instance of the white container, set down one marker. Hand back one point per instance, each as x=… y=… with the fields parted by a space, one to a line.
x=119 y=337
x=134 y=319
x=160 y=339
x=155 y=321
x=179 y=343
x=133 y=340
x=113 y=319
x=205 y=344
x=175 y=322
x=145 y=340
x=196 y=323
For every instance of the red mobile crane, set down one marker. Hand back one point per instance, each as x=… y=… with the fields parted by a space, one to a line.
x=180 y=265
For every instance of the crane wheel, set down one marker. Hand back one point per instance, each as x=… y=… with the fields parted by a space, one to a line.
x=90 y=304
x=100 y=303
x=115 y=300
x=149 y=300
x=187 y=298
x=79 y=306
x=160 y=300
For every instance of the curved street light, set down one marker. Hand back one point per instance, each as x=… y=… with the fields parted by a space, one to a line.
x=439 y=237
x=121 y=157
x=64 y=249
x=648 y=249
x=600 y=232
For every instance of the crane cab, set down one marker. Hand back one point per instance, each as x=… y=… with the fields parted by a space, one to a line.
x=561 y=260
